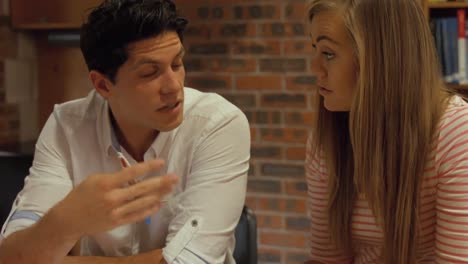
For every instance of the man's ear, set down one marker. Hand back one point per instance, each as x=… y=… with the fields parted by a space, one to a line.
x=101 y=83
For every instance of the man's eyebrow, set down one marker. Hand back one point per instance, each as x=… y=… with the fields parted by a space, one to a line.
x=180 y=54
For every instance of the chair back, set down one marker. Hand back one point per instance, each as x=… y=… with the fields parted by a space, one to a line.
x=245 y=251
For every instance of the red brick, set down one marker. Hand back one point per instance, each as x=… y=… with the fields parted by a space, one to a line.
x=259 y=82
x=269 y=221
x=209 y=82
x=243 y=101
x=288 y=135
x=257 y=47
x=265 y=152
x=264 y=117
x=232 y=64
x=295 y=153
x=296 y=188
x=283 y=239
x=301 y=223
x=277 y=29
x=267 y=255
x=300 y=118
x=298 y=47
x=297 y=257
x=189 y=12
x=301 y=83
x=282 y=65
x=253 y=134
x=297 y=11
x=251 y=202
x=201 y=32
x=292 y=205
x=279 y=100
x=257 y=11
x=197 y=47
x=233 y=30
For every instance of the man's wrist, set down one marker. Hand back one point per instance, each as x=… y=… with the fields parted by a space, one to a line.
x=63 y=228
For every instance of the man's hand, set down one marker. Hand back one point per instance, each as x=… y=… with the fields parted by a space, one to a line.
x=105 y=201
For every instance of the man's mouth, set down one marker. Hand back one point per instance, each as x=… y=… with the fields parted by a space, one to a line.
x=169 y=107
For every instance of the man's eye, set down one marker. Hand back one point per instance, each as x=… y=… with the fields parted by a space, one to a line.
x=177 y=66
x=148 y=73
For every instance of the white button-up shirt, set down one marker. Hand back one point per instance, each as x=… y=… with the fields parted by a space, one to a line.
x=209 y=151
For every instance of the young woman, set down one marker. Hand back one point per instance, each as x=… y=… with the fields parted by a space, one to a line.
x=387 y=162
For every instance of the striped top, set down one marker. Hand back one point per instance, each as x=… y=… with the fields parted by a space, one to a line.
x=443 y=210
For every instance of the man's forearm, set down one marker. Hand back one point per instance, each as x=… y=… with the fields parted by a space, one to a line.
x=150 y=257
x=44 y=242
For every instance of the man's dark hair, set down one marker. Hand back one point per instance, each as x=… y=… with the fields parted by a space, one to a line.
x=115 y=24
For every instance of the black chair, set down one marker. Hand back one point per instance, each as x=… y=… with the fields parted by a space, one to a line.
x=245 y=251
x=14 y=168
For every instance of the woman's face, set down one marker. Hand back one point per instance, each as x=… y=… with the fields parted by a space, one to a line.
x=333 y=60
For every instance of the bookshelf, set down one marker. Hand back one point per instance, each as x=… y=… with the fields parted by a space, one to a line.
x=49 y=14
x=434 y=5
x=439 y=10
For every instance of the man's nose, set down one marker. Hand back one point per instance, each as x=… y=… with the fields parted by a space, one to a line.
x=170 y=82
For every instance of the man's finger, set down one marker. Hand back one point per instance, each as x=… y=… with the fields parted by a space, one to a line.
x=125 y=175
x=137 y=206
x=160 y=184
x=138 y=216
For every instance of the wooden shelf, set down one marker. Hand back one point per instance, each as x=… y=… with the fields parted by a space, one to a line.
x=50 y=14
x=47 y=26
x=460 y=87
x=435 y=5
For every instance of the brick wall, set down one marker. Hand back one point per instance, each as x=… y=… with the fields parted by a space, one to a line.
x=256 y=54
x=18 y=85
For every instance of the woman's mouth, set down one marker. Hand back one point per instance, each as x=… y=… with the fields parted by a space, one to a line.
x=323 y=90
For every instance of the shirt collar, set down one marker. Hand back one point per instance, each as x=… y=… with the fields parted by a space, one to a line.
x=108 y=138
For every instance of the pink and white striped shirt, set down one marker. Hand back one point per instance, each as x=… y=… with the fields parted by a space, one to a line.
x=443 y=210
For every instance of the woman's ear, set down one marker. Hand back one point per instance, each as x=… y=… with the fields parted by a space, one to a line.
x=101 y=83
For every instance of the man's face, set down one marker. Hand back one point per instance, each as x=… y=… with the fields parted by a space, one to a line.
x=148 y=92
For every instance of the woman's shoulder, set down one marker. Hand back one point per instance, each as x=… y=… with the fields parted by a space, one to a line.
x=456 y=108
x=455 y=117
x=315 y=163
x=453 y=130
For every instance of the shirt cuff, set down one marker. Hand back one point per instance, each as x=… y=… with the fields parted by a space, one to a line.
x=17 y=221
x=178 y=251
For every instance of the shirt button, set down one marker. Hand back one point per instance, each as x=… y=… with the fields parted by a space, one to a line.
x=194 y=223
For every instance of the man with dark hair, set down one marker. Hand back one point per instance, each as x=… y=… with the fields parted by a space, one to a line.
x=142 y=170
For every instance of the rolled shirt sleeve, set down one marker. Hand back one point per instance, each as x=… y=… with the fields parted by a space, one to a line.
x=211 y=204
x=48 y=181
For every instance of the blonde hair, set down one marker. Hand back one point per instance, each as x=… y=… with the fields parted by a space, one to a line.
x=380 y=148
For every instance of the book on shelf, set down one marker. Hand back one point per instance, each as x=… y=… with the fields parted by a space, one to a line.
x=450 y=35
x=445 y=1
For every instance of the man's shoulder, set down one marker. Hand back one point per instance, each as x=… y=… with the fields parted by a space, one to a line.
x=210 y=106
x=75 y=111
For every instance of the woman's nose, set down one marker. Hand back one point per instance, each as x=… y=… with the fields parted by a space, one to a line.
x=317 y=68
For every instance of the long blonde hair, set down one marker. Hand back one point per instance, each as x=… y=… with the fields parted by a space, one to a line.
x=380 y=148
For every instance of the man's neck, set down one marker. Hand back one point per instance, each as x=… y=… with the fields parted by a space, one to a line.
x=135 y=141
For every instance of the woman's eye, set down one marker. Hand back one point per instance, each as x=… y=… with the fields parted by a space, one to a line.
x=328 y=55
